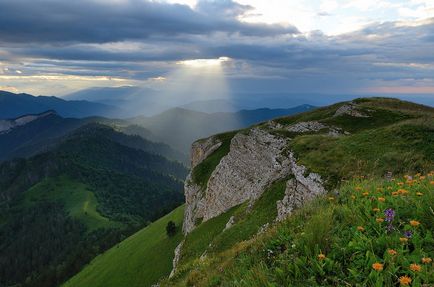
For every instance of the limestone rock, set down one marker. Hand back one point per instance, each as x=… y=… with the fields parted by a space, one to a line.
x=230 y=222
x=304 y=127
x=351 y=110
x=176 y=258
x=201 y=149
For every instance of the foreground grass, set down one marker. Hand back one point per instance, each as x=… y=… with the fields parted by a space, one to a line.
x=78 y=200
x=372 y=233
x=140 y=260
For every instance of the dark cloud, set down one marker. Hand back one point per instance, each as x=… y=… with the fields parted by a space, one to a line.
x=100 y=21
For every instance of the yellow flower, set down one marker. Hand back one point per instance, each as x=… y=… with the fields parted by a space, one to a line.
x=379 y=220
x=403 y=191
x=419 y=193
x=395 y=193
x=432 y=182
x=415 y=267
x=426 y=260
x=392 y=252
x=360 y=228
x=400 y=183
x=353 y=197
x=365 y=193
x=414 y=222
x=382 y=199
x=377 y=266
x=404 y=280
x=422 y=177
x=375 y=209
x=321 y=256
x=331 y=198
x=389 y=188
x=358 y=188
x=403 y=239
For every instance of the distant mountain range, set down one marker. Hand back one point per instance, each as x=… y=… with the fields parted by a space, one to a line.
x=15 y=105
x=180 y=127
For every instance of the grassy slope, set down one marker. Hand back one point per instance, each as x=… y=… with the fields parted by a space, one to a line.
x=78 y=200
x=140 y=260
x=398 y=137
x=287 y=253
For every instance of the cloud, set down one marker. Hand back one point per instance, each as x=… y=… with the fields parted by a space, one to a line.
x=92 y=21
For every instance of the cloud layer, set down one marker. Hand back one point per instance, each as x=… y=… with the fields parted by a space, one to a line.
x=133 y=41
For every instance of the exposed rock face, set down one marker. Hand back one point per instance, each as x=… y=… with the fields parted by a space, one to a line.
x=176 y=258
x=351 y=110
x=298 y=191
x=230 y=222
x=200 y=150
x=304 y=127
x=255 y=161
x=7 y=125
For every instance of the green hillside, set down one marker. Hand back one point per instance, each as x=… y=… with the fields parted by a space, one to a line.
x=78 y=200
x=139 y=260
x=61 y=208
x=392 y=136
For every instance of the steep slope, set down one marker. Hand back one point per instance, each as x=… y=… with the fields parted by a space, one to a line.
x=312 y=153
x=180 y=127
x=77 y=200
x=140 y=260
x=14 y=105
x=264 y=202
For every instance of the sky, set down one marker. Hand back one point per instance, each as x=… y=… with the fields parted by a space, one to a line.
x=53 y=47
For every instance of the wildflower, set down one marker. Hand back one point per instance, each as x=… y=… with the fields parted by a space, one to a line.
x=400 y=183
x=422 y=177
x=404 y=280
x=353 y=197
x=379 y=220
x=392 y=252
x=331 y=198
x=414 y=223
x=408 y=234
x=389 y=188
x=375 y=209
x=321 y=256
x=365 y=193
x=390 y=214
x=426 y=260
x=377 y=266
x=379 y=189
x=415 y=267
x=432 y=182
x=403 y=191
x=418 y=174
x=403 y=239
x=395 y=193
x=382 y=199
x=358 y=188
x=360 y=228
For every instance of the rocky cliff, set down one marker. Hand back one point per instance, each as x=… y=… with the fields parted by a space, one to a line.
x=255 y=160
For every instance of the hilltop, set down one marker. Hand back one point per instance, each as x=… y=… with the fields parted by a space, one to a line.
x=263 y=203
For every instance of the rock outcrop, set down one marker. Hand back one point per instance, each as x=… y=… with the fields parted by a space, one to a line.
x=176 y=258
x=351 y=110
x=202 y=149
x=7 y=125
x=256 y=159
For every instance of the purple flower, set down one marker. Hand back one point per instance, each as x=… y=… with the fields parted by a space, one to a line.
x=408 y=234
x=390 y=214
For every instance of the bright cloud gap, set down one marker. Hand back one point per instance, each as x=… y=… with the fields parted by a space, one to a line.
x=198 y=63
